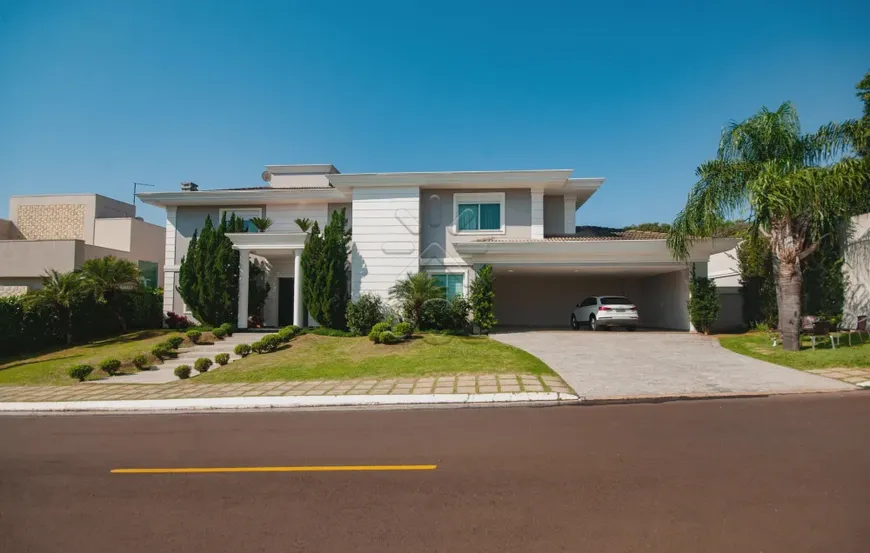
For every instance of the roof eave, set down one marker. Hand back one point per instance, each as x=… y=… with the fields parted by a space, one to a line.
x=481 y=179
x=240 y=197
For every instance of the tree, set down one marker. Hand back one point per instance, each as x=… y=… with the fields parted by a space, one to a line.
x=106 y=277
x=304 y=224
x=412 y=292
x=262 y=223
x=60 y=291
x=650 y=227
x=703 y=303
x=208 y=279
x=757 y=284
x=483 y=299
x=324 y=271
x=788 y=185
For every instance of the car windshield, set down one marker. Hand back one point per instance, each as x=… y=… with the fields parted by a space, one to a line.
x=615 y=300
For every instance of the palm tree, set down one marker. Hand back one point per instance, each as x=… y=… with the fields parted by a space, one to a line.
x=785 y=181
x=262 y=223
x=413 y=292
x=60 y=290
x=106 y=277
x=304 y=224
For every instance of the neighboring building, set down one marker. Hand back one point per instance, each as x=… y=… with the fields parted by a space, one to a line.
x=724 y=271
x=856 y=268
x=63 y=231
x=448 y=224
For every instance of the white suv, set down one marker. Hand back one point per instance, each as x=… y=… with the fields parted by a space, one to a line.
x=605 y=312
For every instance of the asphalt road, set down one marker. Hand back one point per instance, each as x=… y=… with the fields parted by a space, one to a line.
x=786 y=474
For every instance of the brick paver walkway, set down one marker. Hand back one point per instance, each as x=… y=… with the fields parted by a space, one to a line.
x=390 y=386
x=852 y=376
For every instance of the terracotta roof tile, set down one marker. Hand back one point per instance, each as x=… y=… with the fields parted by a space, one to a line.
x=589 y=234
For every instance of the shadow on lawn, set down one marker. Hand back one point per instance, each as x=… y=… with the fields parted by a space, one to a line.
x=38 y=360
x=125 y=338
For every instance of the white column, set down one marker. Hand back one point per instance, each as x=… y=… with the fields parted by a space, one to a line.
x=570 y=214
x=244 y=268
x=537 y=214
x=170 y=269
x=297 y=288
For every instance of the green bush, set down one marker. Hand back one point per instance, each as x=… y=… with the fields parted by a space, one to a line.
x=81 y=372
x=365 y=313
x=242 y=349
x=228 y=328
x=703 y=303
x=375 y=333
x=222 y=359
x=288 y=333
x=219 y=333
x=266 y=344
x=110 y=366
x=388 y=338
x=440 y=314
x=140 y=362
x=175 y=341
x=162 y=352
x=182 y=371
x=194 y=335
x=482 y=299
x=203 y=364
x=405 y=330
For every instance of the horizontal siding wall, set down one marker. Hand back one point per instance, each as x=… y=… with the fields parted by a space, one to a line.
x=284 y=216
x=386 y=238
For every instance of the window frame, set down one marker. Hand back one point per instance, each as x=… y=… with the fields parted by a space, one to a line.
x=448 y=273
x=230 y=210
x=478 y=198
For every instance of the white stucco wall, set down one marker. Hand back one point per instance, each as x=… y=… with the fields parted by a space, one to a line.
x=386 y=238
x=663 y=300
x=284 y=216
x=856 y=269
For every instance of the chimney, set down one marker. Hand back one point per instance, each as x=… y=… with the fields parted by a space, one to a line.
x=189 y=186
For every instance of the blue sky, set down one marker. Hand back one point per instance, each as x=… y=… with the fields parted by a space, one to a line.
x=97 y=95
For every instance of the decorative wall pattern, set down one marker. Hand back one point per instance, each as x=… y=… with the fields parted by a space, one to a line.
x=52 y=222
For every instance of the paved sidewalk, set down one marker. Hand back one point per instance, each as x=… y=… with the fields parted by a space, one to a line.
x=471 y=384
x=851 y=376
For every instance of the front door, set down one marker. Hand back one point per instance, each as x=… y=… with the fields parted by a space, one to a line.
x=285 y=301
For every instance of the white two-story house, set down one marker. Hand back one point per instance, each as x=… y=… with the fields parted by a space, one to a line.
x=448 y=224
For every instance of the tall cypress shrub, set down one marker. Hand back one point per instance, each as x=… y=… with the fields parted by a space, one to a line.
x=483 y=299
x=324 y=270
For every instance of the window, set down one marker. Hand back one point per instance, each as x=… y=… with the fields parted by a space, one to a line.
x=479 y=213
x=615 y=300
x=452 y=284
x=148 y=274
x=587 y=302
x=245 y=213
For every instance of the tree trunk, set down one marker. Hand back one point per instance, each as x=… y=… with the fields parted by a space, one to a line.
x=788 y=283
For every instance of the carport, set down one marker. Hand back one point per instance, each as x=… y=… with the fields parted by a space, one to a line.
x=544 y=296
x=539 y=281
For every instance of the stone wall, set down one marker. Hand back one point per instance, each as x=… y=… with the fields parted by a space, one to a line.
x=52 y=222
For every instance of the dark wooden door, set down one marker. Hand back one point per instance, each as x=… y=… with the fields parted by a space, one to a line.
x=285 y=301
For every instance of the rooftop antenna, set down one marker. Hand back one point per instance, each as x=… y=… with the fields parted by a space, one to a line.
x=135 y=185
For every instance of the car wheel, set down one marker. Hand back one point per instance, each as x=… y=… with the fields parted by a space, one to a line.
x=593 y=323
x=574 y=324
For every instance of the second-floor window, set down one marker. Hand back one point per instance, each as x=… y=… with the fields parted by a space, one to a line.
x=483 y=213
x=245 y=213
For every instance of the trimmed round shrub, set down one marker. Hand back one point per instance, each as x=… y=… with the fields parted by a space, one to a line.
x=267 y=344
x=222 y=359
x=81 y=372
x=242 y=349
x=403 y=329
x=219 y=333
x=162 y=351
x=140 y=362
x=194 y=336
x=440 y=314
x=365 y=313
x=174 y=341
x=110 y=366
x=203 y=364
x=288 y=333
x=182 y=371
x=228 y=328
x=377 y=330
x=387 y=337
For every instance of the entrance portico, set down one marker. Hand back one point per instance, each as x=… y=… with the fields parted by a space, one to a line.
x=275 y=249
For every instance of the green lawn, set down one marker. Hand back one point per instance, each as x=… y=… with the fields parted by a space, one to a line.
x=50 y=369
x=758 y=345
x=311 y=357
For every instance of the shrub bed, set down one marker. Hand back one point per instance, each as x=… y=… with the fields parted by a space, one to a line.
x=222 y=359
x=377 y=330
x=81 y=372
x=194 y=336
x=110 y=366
x=242 y=349
x=203 y=364
x=141 y=362
x=182 y=371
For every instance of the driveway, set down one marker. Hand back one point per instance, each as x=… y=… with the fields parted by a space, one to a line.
x=623 y=364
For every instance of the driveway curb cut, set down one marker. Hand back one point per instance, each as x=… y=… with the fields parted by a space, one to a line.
x=701 y=397
x=283 y=402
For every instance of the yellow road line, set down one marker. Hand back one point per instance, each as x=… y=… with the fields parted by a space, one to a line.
x=324 y=468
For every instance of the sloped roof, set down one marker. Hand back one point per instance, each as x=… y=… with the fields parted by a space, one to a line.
x=588 y=234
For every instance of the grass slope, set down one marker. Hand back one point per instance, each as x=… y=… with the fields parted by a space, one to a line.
x=312 y=357
x=758 y=345
x=50 y=368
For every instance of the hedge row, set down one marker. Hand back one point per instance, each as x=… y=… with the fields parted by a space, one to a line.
x=27 y=326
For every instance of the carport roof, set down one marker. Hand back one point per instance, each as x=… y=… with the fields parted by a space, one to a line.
x=588 y=234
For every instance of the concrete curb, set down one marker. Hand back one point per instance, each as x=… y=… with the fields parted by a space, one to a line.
x=281 y=402
x=702 y=396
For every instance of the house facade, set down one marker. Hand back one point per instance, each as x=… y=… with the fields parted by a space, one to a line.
x=448 y=224
x=63 y=231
